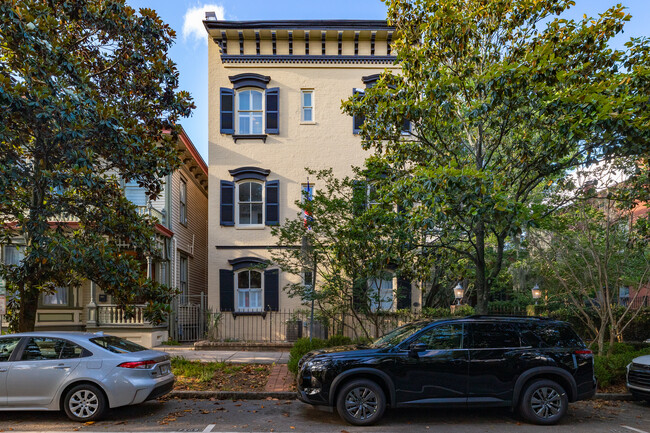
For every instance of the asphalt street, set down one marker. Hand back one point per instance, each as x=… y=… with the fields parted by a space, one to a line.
x=293 y=416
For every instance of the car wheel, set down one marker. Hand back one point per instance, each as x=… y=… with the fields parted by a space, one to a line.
x=361 y=402
x=543 y=402
x=84 y=403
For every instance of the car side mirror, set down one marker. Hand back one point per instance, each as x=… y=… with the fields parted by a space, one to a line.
x=416 y=348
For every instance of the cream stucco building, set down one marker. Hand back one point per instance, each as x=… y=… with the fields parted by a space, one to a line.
x=275 y=93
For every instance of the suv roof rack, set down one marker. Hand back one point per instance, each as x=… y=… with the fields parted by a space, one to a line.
x=505 y=316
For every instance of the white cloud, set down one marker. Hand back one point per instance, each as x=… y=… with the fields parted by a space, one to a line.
x=193 y=21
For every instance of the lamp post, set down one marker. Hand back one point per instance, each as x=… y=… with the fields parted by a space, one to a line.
x=459 y=292
x=537 y=293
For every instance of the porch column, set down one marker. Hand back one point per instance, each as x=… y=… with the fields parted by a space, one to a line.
x=92 y=306
x=149 y=267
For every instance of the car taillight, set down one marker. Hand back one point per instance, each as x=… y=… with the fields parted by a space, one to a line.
x=583 y=352
x=137 y=364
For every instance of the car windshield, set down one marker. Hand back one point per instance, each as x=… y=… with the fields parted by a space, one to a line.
x=398 y=335
x=117 y=344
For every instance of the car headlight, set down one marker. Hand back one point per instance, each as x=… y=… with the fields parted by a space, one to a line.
x=317 y=365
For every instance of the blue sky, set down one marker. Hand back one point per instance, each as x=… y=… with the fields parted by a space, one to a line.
x=190 y=50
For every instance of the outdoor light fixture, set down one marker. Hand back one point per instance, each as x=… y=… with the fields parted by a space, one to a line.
x=537 y=292
x=459 y=292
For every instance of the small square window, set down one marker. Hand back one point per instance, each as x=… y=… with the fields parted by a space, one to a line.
x=307 y=106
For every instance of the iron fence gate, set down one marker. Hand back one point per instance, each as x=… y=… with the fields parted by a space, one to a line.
x=187 y=321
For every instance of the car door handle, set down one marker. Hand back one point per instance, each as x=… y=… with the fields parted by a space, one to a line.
x=62 y=367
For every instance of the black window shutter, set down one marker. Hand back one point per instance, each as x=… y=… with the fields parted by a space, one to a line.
x=227 y=104
x=358 y=119
x=226 y=290
x=273 y=203
x=273 y=110
x=403 y=294
x=227 y=203
x=359 y=294
x=272 y=289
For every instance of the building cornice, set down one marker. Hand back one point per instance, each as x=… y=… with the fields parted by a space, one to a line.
x=299 y=25
x=226 y=58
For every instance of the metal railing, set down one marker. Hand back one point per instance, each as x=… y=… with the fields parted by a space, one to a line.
x=188 y=319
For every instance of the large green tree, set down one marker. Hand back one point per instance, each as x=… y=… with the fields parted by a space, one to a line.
x=86 y=93
x=503 y=98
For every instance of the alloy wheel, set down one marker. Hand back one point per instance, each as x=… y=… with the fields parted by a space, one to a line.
x=546 y=402
x=361 y=403
x=83 y=403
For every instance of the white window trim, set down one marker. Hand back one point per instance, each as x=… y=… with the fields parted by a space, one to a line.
x=302 y=107
x=371 y=203
x=248 y=310
x=250 y=226
x=236 y=125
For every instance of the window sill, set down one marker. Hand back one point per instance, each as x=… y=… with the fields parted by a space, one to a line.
x=251 y=227
x=248 y=313
x=308 y=123
x=249 y=137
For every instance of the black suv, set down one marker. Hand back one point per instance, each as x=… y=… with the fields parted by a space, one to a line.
x=534 y=364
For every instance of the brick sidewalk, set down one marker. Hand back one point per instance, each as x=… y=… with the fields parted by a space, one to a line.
x=280 y=379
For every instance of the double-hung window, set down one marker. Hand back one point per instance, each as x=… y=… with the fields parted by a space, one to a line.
x=250 y=203
x=249 y=290
x=250 y=200
x=59 y=297
x=250 y=109
x=307 y=106
x=380 y=292
x=250 y=112
x=183 y=202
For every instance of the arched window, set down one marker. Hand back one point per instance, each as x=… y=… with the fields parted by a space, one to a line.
x=250 y=203
x=249 y=290
x=250 y=111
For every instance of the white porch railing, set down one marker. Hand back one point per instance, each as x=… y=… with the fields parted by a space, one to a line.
x=109 y=315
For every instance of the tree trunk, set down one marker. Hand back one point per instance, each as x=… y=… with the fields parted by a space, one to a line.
x=28 y=307
x=482 y=289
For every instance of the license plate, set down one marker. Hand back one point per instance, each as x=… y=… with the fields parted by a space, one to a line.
x=165 y=369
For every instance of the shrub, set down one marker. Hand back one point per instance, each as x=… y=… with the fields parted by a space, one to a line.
x=610 y=370
x=338 y=340
x=300 y=348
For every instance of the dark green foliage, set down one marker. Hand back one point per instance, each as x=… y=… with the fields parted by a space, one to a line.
x=504 y=99
x=86 y=93
x=300 y=348
x=339 y=340
x=611 y=369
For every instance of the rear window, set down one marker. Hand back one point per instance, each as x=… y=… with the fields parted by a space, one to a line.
x=117 y=344
x=548 y=335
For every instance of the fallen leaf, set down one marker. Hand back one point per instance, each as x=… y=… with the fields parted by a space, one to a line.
x=89 y=423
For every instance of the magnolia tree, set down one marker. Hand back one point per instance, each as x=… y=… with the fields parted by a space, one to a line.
x=86 y=91
x=502 y=98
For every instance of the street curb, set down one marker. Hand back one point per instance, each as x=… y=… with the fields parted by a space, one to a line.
x=233 y=395
x=246 y=395
x=614 y=396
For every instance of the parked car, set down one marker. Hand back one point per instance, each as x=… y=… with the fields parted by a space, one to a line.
x=81 y=373
x=535 y=365
x=638 y=377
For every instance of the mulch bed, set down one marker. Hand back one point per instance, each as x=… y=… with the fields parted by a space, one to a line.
x=233 y=377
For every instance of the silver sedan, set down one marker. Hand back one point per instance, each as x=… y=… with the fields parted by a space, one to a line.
x=82 y=373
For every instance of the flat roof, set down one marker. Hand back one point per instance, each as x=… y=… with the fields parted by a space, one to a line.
x=300 y=24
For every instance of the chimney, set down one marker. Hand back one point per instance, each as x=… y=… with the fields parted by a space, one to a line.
x=211 y=16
